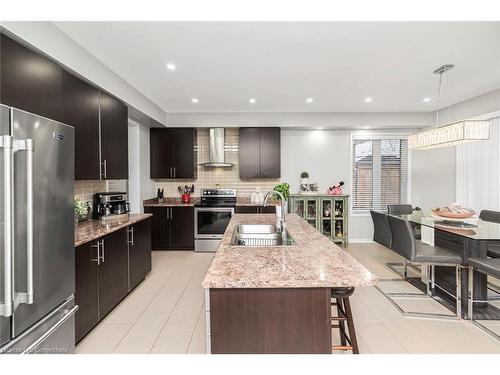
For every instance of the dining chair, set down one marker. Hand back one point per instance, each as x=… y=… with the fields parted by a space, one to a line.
x=399 y=209
x=489 y=267
x=418 y=253
x=492 y=217
x=381 y=230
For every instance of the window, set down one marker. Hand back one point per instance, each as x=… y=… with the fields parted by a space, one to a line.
x=379 y=174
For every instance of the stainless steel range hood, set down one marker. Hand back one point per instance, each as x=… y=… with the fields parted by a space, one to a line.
x=216 y=150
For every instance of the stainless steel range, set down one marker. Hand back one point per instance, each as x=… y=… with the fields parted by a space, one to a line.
x=211 y=217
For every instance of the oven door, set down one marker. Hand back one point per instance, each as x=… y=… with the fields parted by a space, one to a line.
x=211 y=222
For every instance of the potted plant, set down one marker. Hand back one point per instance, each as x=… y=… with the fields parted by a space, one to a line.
x=284 y=189
x=304 y=178
x=80 y=209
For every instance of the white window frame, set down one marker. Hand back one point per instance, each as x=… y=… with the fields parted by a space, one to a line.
x=376 y=136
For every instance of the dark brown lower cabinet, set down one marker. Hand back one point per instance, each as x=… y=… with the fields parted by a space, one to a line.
x=270 y=321
x=86 y=289
x=113 y=271
x=139 y=251
x=172 y=228
x=103 y=269
x=182 y=228
x=255 y=210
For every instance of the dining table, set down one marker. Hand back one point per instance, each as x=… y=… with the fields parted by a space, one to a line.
x=470 y=238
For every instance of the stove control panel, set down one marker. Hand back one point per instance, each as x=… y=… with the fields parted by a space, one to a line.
x=218 y=192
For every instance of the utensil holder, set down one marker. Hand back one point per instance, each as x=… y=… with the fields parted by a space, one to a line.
x=186 y=198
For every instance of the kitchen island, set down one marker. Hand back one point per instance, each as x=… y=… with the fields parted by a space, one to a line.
x=276 y=299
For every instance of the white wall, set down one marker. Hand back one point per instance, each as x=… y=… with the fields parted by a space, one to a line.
x=140 y=185
x=433 y=179
x=50 y=40
x=325 y=154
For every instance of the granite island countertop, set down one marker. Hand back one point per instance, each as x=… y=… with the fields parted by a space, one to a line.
x=91 y=230
x=313 y=261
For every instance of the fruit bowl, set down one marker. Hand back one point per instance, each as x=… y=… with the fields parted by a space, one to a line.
x=453 y=215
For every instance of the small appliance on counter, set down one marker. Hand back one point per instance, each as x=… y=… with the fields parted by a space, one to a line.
x=110 y=206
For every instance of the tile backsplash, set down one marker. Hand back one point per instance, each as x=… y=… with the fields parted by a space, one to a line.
x=210 y=177
x=85 y=189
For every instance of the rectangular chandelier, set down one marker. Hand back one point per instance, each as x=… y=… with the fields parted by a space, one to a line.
x=450 y=135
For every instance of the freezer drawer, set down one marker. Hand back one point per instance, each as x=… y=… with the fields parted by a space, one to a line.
x=55 y=334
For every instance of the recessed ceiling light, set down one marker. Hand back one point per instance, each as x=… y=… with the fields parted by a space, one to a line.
x=170 y=66
x=320 y=128
x=310 y=100
x=195 y=100
x=426 y=100
x=252 y=100
x=368 y=127
x=368 y=100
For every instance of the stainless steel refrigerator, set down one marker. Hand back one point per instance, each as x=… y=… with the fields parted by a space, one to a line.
x=37 y=270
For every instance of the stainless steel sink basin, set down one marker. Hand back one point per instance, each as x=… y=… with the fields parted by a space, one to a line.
x=260 y=235
x=256 y=228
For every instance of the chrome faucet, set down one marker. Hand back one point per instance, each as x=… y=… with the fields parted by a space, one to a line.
x=282 y=215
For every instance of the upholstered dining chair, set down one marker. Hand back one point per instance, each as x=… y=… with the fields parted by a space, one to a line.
x=493 y=217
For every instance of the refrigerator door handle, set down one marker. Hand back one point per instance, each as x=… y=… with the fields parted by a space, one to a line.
x=6 y=306
x=28 y=146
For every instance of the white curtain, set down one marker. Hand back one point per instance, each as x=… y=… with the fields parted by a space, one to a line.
x=478 y=172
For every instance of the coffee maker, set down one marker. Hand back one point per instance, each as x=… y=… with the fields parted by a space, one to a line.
x=110 y=205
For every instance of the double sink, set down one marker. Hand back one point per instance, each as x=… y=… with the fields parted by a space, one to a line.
x=260 y=235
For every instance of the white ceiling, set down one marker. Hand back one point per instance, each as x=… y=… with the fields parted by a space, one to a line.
x=223 y=64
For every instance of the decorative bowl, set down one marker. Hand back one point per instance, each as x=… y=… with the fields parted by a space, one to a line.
x=453 y=215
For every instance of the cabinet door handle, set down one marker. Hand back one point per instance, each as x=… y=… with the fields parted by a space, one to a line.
x=98 y=246
x=175 y=174
x=130 y=230
x=102 y=251
x=171 y=174
x=104 y=171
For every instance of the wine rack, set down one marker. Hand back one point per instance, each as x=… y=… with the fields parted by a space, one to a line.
x=327 y=213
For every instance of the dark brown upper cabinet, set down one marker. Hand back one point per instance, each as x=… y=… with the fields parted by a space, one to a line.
x=29 y=80
x=114 y=137
x=260 y=150
x=34 y=83
x=81 y=110
x=172 y=153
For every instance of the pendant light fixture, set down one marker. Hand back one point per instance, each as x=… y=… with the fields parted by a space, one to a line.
x=452 y=134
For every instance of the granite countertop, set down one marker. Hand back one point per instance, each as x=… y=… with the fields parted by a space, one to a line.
x=176 y=201
x=313 y=261
x=91 y=230
x=170 y=202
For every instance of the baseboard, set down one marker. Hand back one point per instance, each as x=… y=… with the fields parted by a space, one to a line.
x=360 y=240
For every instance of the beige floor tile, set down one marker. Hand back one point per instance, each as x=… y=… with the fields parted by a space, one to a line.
x=187 y=309
x=174 y=339
x=142 y=336
x=172 y=293
x=130 y=309
x=167 y=298
x=103 y=339
x=198 y=341
x=182 y=275
x=379 y=340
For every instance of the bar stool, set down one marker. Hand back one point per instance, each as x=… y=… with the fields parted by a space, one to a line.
x=344 y=312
